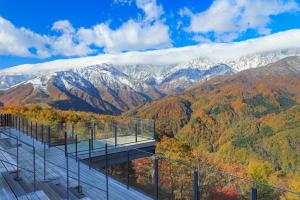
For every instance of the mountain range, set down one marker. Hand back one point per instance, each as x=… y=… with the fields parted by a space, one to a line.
x=109 y=88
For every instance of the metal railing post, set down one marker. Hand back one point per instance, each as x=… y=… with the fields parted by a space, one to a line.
x=31 y=129
x=42 y=130
x=66 y=144
x=94 y=131
x=76 y=148
x=44 y=161
x=136 y=132
x=106 y=170
x=155 y=179
x=196 y=189
x=49 y=136
x=19 y=124
x=90 y=154
x=34 y=169
x=36 y=131
x=154 y=131
x=78 y=172
x=67 y=160
x=72 y=130
x=127 y=168
x=18 y=177
x=92 y=139
x=254 y=194
x=19 y=127
x=116 y=134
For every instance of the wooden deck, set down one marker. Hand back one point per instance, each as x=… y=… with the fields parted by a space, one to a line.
x=93 y=182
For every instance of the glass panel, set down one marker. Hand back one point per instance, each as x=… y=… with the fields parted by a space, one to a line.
x=147 y=129
x=165 y=181
x=141 y=173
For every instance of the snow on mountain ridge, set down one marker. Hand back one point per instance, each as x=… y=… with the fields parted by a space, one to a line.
x=260 y=59
x=139 y=77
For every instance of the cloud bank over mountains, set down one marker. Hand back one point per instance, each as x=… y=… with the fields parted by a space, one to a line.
x=172 y=56
x=223 y=21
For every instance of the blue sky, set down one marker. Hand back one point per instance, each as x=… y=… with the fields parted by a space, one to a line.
x=35 y=31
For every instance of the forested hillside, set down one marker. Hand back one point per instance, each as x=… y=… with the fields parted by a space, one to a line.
x=248 y=123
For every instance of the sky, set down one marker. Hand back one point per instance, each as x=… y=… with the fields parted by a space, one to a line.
x=34 y=31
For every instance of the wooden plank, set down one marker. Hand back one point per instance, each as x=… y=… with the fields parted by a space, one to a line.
x=41 y=195
x=5 y=191
x=48 y=191
x=14 y=186
x=62 y=191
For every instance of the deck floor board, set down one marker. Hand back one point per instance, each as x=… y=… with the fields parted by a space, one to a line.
x=56 y=169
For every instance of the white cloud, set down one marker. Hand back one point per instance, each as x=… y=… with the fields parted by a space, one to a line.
x=130 y=36
x=21 y=41
x=64 y=26
x=67 y=43
x=227 y=19
x=150 y=32
x=123 y=2
x=151 y=9
x=215 y=51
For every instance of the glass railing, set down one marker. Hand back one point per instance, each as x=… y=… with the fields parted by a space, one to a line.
x=113 y=132
x=35 y=164
x=93 y=146
x=164 y=178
